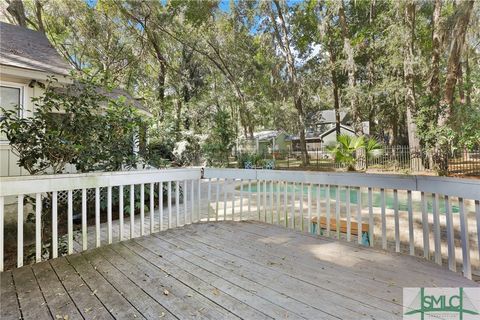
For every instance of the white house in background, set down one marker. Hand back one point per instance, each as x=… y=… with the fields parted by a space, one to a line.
x=323 y=132
x=27 y=60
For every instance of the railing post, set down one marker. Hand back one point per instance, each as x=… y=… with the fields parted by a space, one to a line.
x=152 y=207
x=132 y=211
x=426 y=237
x=54 y=224
x=410 y=223
x=120 y=211
x=209 y=198
x=185 y=201
x=38 y=227
x=177 y=203
x=337 y=210
x=20 y=230
x=347 y=206
x=301 y=206
x=225 y=196
x=169 y=197
x=436 y=230
x=397 y=220
x=452 y=263
x=199 y=200
x=384 y=219
x=467 y=268
x=328 y=212
x=142 y=209
x=160 y=204
x=97 y=217
x=217 y=198
x=2 y=232
x=241 y=199
x=109 y=214
x=70 y=222
x=249 y=198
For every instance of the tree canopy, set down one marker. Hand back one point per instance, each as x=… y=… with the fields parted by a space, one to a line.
x=409 y=68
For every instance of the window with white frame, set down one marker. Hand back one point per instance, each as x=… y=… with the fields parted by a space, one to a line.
x=11 y=98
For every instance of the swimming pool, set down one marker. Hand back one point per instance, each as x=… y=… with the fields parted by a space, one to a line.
x=376 y=196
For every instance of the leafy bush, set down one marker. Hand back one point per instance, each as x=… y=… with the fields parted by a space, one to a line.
x=350 y=149
x=74 y=125
x=188 y=151
x=221 y=140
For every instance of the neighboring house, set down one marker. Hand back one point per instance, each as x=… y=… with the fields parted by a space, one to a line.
x=323 y=132
x=264 y=142
x=27 y=60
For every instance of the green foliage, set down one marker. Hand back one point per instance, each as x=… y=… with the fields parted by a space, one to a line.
x=186 y=58
x=253 y=158
x=219 y=144
x=349 y=149
x=74 y=125
x=187 y=152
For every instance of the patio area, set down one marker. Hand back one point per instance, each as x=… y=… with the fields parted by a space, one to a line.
x=221 y=270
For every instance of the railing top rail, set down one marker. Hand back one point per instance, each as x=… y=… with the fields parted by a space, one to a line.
x=46 y=183
x=465 y=188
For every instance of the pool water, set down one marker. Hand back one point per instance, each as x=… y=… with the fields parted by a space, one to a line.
x=376 y=197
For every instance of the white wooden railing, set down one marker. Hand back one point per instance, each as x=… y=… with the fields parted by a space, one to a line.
x=39 y=186
x=279 y=206
x=236 y=194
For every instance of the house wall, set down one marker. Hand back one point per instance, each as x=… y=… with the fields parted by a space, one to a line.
x=331 y=138
x=8 y=159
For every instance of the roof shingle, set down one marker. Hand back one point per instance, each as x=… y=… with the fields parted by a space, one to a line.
x=24 y=48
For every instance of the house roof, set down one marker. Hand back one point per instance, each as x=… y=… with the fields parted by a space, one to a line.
x=28 y=49
x=328 y=116
x=266 y=134
x=329 y=131
x=320 y=136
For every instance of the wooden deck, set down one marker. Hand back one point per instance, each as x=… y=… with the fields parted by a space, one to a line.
x=220 y=270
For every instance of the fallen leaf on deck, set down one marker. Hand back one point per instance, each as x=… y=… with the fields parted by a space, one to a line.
x=165 y=292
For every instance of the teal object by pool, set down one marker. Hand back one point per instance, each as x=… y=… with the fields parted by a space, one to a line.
x=402 y=200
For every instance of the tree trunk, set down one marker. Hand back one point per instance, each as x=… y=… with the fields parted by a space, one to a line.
x=413 y=139
x=38 y=13
x=434 y=85
x=463 y=12
x=292 y=72
x=468 y=80
x=458 y=39
x=333 y=72
x=17 y=10
x=351 y=69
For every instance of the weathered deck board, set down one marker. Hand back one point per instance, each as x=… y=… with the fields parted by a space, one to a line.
x=9 y=304
x=87 y=303
x=58 y=300
x=146 y=305
x=280 y=281
x=224 y=270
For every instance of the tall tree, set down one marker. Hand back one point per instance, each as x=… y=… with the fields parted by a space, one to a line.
x=282 y=34
x=410 y=99
x=351 y=70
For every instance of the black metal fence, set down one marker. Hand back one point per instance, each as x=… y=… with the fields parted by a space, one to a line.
x=393 y=159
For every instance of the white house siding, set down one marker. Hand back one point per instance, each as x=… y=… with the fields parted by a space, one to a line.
x=8 y=159
x=331 y=138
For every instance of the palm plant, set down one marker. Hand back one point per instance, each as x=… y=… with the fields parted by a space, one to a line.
x=347 y=149
x=373 y=149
